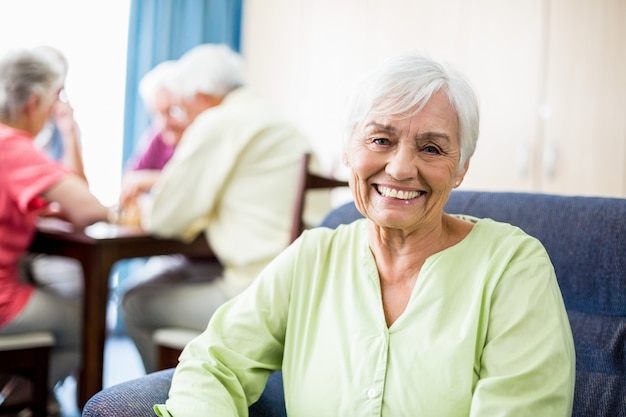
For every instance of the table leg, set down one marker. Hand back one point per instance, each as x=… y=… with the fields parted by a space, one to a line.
x=97 y=268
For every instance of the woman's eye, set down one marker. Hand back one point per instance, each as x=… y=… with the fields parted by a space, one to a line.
x=431 y=149
x=381 y=141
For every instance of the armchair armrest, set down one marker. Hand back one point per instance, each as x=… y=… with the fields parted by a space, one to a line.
x=136 y=398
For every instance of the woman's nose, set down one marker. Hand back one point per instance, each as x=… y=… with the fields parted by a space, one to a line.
x=401 y=165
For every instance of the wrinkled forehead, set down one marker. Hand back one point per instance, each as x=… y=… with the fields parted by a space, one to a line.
x=436 y=108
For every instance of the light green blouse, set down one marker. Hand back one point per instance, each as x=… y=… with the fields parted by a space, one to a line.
x=485 y=333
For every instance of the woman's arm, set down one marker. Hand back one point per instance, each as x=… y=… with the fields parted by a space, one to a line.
x=135 y=183
x=70 y=134
x=528 y=362
x=76 y=203
x=225 y=369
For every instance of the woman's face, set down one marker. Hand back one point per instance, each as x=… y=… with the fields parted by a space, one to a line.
x=39 y=109
x=403 y=168
x=170 y=118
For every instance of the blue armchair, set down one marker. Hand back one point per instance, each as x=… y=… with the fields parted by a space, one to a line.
x=136 y=398
x=586 y=240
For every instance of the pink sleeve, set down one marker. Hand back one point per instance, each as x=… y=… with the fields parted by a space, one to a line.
x=28 y=173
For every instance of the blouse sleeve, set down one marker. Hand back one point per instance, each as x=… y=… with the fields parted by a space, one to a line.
x=225 y=369
x=528 y=361
x=27 y=173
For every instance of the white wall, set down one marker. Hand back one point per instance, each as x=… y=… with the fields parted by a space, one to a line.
x=303 y=54
x=542 y=97
x=93 y=36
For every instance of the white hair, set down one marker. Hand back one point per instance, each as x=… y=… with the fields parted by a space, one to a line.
x=210 y=69
x=404 y=84
x=54 y=56
x=155 y=80
x=22 y=74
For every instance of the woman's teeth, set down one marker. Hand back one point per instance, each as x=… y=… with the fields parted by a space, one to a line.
x=399 y=194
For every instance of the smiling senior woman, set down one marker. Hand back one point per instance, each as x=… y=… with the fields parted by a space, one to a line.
x=410 y=311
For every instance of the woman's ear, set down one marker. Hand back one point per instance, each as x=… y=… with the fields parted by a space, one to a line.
x=344 y=159
x=461 y=175
x=32 y=104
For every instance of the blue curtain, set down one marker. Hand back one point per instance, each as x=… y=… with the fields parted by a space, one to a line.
x=165 y=29
x=160 y=30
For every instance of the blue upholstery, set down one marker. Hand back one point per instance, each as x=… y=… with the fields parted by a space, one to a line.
x=586 y=240
x=133 y=398
x=137 y=397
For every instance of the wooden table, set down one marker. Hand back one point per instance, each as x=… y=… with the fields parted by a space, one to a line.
x=98 y=248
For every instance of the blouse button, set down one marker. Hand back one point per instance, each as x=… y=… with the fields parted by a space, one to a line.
x=371 y=393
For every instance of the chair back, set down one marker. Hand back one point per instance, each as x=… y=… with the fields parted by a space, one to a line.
x=26 y=355
x=308 y=181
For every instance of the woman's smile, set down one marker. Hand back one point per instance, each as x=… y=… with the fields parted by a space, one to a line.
x=391 y=192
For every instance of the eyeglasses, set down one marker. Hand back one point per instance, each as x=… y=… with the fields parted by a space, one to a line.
x=63 y=97
x=178 y=113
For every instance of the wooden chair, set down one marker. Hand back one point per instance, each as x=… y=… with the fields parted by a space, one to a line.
x=308 y=181
x=26 y=355
x=171 y=341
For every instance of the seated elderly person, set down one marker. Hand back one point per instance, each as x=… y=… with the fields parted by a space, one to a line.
x=159 y=142
x=29 y=182
x=410 y=311
x=232 y=178
x=60 y=139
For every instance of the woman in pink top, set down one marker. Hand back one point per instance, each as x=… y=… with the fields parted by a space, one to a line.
x=29 y=183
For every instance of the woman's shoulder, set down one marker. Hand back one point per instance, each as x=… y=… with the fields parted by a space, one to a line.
x=490 y=225
x=501 y=236
x=344 y=238
x=18 y=149
x=341 y=231
x=10 y=137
